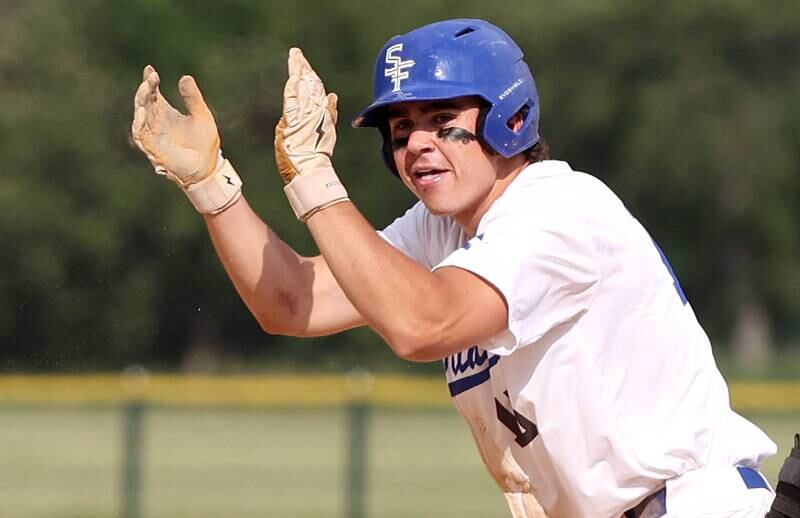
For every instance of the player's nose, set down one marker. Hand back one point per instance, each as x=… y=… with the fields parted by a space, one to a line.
x=421 y=141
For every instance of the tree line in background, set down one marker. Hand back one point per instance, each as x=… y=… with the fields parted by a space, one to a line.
x=690 y=111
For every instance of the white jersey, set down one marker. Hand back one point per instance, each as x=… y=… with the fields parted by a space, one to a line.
x=603 y=385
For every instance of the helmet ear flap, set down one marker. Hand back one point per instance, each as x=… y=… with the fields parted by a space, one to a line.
x=499 y=130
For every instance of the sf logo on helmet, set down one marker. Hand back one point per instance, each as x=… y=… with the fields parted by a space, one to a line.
x=398 y=71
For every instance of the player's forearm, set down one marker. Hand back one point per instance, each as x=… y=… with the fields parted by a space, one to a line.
x=400 y=299
x=270 y=277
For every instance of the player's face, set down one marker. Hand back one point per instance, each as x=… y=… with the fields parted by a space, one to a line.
x=439 y=157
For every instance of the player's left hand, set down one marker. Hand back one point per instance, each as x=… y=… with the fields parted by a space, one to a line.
x=304 y=140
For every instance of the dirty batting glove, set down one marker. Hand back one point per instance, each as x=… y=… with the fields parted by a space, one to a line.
x=184 y=148
x=304 y=140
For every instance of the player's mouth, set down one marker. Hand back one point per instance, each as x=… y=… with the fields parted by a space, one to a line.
x=428 y=177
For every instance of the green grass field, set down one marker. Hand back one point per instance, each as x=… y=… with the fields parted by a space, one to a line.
x=65 y=461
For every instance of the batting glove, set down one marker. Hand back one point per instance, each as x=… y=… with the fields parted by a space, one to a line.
x=184 y=148
x=304 y=140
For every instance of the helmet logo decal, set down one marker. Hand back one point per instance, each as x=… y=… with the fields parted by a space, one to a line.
x=508 y=91
x=397 y=67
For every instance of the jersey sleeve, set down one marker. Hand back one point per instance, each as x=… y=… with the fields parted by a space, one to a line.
x=403 y=234
x=425 y=238
x=544 y=268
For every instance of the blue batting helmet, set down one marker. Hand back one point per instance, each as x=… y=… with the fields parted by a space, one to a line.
x=456 y=58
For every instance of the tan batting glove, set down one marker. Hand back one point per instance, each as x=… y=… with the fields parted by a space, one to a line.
x=304 y=140
x=184 y=148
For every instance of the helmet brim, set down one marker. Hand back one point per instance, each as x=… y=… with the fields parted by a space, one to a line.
x=374 y=115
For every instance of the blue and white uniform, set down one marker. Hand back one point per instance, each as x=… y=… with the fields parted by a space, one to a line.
x=603 y=389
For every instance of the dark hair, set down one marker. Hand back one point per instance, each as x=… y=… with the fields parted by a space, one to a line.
x=538 y=152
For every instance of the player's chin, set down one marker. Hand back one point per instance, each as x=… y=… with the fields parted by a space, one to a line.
x=438 y=206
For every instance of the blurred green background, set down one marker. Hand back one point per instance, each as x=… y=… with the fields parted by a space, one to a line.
x=688 y=110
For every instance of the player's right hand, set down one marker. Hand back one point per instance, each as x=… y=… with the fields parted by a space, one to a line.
x=184 y=148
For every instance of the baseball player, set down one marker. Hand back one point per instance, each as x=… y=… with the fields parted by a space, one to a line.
x=567 y=341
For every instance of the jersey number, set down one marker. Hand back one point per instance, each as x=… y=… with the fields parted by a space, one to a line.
x=523 y=428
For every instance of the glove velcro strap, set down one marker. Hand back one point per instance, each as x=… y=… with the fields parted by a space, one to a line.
x=216 y=193
x=308 y=193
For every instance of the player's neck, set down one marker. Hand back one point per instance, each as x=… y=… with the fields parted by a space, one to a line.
x=471 y=218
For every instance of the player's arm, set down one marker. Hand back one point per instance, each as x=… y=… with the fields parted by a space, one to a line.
x=287 y=293
x=423 y=315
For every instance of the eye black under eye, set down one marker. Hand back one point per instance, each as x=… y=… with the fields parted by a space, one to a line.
x=456 y=134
